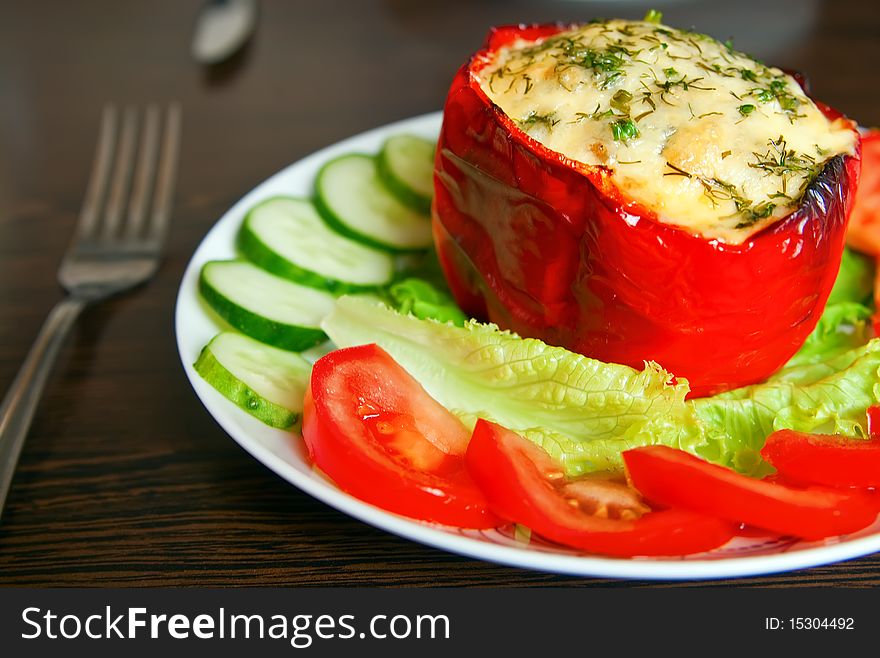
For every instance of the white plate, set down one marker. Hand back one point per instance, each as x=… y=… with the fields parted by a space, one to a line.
x=286 y=455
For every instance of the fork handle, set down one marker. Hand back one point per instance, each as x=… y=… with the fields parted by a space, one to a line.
x=20 y=403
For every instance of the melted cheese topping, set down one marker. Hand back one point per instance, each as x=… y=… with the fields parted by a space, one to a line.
x=708 y=138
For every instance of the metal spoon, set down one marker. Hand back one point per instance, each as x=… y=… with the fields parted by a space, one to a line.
x=222 y=28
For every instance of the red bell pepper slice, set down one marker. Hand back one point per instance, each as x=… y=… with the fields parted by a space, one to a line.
x=836 y=461
x=551 y=249
x=524 y=485
x=675 y=477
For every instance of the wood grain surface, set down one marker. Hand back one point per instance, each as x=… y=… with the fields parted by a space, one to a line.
x=125 y=479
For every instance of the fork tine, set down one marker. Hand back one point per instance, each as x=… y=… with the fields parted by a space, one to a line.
x=88 y=217
x=121 y=173
x=167 y=173
x=143 y=177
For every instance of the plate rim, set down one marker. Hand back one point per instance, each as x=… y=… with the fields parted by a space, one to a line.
x=223 y=412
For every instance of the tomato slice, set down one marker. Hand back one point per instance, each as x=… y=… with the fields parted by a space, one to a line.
x=874 y=420
x=832 y=460
x=524 y=485
x=863 y=231
x=377 y=433
x=674 y=477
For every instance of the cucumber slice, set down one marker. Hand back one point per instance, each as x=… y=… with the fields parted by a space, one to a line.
x=266 y=307
x=354 y=201
x=266 y=382
x=406 y=166
x=287 y=237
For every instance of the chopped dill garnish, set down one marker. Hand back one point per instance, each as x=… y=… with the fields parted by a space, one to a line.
x=777 y=89
x=534 y=119
x=624 y=129
x=595 y=115
x=654 y=16
x=746 y=109
x=693 y=34
x=752 y=215
x=718 y=191
x=572 y=52
x=777 y=161
x=715 y=69
x=676 y=171
x=786 y=163
x=621 y=100
x=669 y=84
x=647 y=96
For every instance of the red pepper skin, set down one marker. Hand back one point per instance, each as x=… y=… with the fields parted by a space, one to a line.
x=549 y=248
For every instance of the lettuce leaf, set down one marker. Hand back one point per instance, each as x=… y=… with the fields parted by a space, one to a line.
x=585 y=413
x=830 y=396
x=578 y=408
x=842 y=327
x=855 y=279
x=844 y=323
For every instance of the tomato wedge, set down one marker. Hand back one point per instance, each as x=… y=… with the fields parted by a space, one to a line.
x=674 y=477
x=863 y=231
x=832 y=460
x=524 y=485
x=377 y=433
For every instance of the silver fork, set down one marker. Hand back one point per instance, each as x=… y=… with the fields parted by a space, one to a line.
x=116 y=246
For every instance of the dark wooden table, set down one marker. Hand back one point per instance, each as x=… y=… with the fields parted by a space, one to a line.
x=125 y=479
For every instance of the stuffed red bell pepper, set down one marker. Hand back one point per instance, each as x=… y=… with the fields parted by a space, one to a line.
x=635 y=192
